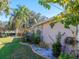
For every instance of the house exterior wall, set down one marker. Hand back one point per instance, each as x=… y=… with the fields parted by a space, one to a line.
x=49 y=34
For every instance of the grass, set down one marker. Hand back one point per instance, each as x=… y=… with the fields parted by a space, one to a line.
x=7 y=46
x=3 y=41
x=11 y=49
x=7 y=50
x=25 y=52
x=6 y=40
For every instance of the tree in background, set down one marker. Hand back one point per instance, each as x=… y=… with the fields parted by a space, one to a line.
x=4 y=6
x=35 y=18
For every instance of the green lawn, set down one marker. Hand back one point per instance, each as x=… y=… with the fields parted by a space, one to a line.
x=11 y=49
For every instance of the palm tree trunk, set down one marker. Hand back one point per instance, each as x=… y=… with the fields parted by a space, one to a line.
x=35 y=21
x=17 y=31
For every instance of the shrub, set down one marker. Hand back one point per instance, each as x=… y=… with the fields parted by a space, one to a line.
x=27 y=37
x=67 y=56
x=36 y=38
x=56 y=47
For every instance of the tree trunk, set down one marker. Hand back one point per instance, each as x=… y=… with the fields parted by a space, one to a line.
x=77 y=32
x=17 y=31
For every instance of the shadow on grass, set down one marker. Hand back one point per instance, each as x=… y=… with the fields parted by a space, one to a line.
x=15 y=50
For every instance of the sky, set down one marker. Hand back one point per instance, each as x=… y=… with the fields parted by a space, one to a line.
x=34 y=6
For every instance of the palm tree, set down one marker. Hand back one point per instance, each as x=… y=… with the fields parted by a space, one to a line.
x=21 y=15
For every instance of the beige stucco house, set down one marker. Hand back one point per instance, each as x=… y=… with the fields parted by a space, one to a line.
x=49 y=34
